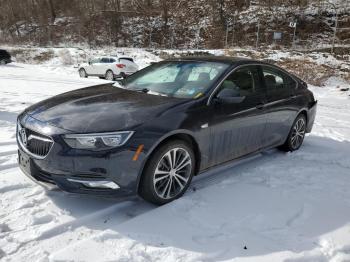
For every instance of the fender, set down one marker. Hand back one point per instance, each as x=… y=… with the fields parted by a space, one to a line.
x=158 y=142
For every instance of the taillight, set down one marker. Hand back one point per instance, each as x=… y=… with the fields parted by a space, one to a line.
x=120 y=65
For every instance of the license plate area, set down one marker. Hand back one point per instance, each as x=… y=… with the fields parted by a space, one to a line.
x=24 y=162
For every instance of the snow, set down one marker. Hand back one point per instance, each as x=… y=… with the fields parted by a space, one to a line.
x=269 y=207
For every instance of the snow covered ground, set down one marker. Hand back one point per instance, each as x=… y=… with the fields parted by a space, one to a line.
x=269 y=207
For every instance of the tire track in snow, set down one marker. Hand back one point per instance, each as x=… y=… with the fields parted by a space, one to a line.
x=8 y=153
x=57 y=237
x=8 y=159
x=7 y=166
x=121 y=211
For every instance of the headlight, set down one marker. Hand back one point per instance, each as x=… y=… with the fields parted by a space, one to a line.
x=98 y=141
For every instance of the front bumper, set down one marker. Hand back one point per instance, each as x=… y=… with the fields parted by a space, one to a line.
x=111 y=173
x=96 y=184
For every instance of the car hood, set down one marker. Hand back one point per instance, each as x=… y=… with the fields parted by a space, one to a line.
x=102 y=108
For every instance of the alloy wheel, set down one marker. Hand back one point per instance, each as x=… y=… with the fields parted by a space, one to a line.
x=82 y=73
x=109 y=76
x=298 y=133
x=172 y=173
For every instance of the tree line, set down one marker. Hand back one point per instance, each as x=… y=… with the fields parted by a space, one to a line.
x=161 y=23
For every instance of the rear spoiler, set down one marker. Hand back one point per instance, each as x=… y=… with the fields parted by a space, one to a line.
x=126 y=58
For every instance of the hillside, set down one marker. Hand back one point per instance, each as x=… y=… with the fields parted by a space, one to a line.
x=175 y=24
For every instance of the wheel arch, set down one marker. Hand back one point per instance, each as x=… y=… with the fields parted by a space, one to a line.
x=303 y=112
x=109 y=69
x=183 y=135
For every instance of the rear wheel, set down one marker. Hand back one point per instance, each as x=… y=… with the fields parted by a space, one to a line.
x=109 y=75
x=82 y=73
x=168 y=173
x=296 y=135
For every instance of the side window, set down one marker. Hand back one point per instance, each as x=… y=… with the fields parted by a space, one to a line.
x=290 y=82
x=244 y=81
x=105 y=60
x=278 y=84
x=274 y=79
x=95 y=60
x=112 y=60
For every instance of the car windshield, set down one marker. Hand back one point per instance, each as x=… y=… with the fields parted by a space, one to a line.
x=182 y=79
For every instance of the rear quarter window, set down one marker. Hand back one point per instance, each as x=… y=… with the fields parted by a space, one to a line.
x=105 y=60
x=289 y=82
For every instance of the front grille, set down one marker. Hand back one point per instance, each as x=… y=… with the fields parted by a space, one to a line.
x=34 y=142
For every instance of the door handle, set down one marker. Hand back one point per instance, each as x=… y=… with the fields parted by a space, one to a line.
x=260 y=106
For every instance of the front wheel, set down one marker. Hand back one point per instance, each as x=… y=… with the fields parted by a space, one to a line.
x=168 y=173
x=82 y=73
x=296 y=135
x=109 y=75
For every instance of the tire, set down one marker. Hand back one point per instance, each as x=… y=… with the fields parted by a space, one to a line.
x=2 y=62
x=296 y=135
x=172 y=180
x=82 y=73
x=109 y=75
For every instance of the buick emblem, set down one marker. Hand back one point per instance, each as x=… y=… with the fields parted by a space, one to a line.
x=23 y=136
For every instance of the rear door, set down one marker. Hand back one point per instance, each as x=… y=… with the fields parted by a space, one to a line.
x=93 y=66
x=281 y=103
x=103 y=66
x=238 y=129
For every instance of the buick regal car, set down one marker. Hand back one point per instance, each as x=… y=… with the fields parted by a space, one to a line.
x=151 y=133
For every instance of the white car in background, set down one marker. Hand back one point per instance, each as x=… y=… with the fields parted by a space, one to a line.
x=109 y=67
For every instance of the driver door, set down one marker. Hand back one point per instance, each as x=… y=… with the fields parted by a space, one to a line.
x=237 y=127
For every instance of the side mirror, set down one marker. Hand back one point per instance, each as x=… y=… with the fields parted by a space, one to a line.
x=89 y=62
x=229 y=96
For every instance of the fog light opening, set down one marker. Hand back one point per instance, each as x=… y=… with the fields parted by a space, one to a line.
x=96 y=184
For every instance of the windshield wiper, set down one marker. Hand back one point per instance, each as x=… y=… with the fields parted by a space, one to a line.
x=148 y=91
x=143 y=90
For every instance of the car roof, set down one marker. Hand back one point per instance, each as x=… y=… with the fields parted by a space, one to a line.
x=234 y=61
x=113 y=56
x=221 y=59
